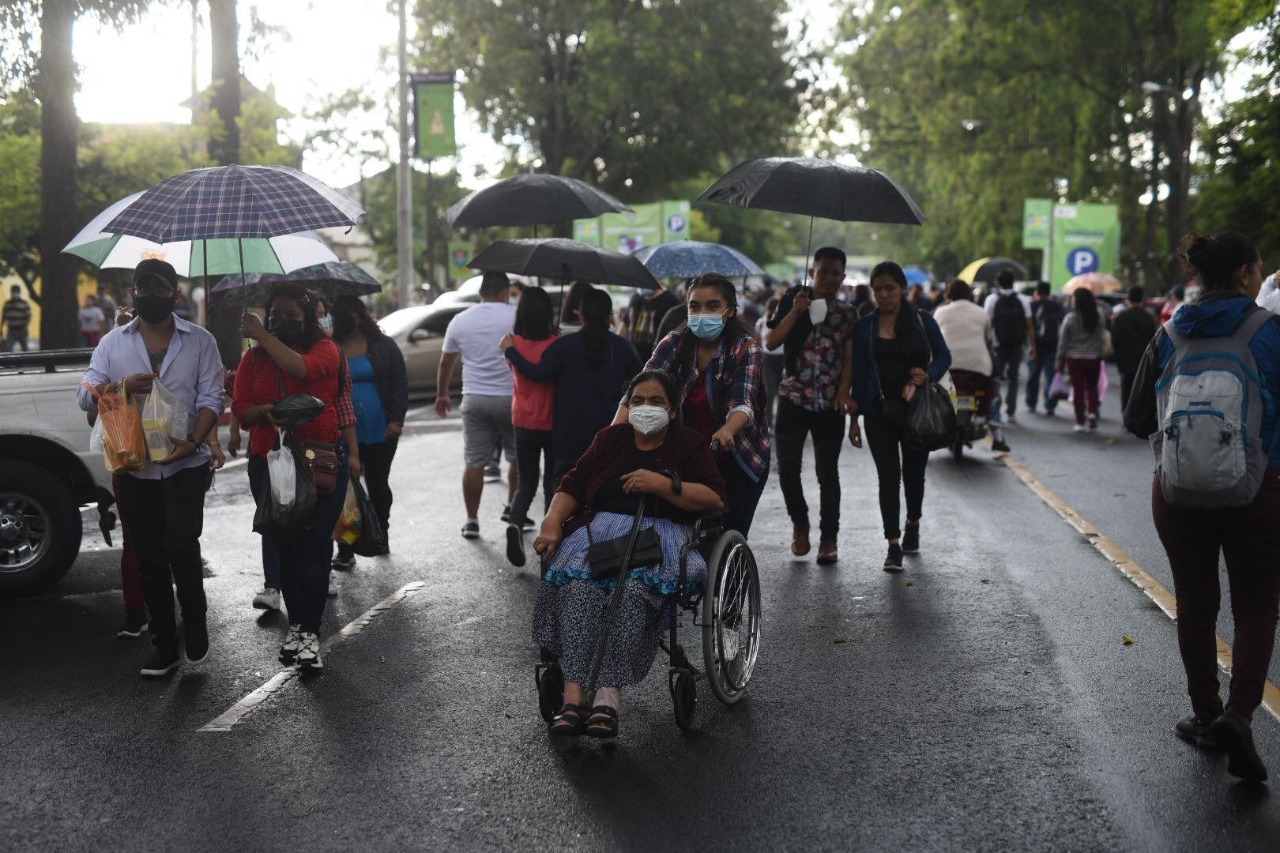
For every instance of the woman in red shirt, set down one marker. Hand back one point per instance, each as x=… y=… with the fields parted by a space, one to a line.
x=293 y=351
x=532 y=405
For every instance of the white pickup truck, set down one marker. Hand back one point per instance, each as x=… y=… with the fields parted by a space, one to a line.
x=47 y=472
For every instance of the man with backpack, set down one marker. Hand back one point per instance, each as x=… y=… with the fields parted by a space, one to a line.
x=1046 y=320
x=1010 y=314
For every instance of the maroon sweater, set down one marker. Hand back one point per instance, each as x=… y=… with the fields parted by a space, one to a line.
x=613 y=453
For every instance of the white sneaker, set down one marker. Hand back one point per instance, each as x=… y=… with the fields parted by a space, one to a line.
x=1078 y=428
x=293 y=642
x=333 y=583
x=308 y=658
x=267 y=599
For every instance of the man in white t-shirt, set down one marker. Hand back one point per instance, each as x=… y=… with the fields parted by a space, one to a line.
x=1012 y=334
x=486 y=389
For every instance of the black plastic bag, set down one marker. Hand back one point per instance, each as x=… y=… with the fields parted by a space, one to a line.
x=931 y=418
x=373 y=535
x=271 y=519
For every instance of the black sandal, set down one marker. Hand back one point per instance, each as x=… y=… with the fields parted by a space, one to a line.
x=603 y=722
x=570 y=721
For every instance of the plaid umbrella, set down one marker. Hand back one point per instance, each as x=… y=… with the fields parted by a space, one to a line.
x=191 y=257
x=234 y=202
x=338 y=278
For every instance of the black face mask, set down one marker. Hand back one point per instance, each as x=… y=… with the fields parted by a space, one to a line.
x=154 y=309
x=343 y=325
x=288 y=331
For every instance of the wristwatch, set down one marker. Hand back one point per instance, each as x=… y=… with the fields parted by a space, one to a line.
x=676 y=485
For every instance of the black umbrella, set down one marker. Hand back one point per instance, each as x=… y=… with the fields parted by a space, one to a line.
x=815 y=187
x=556 y=257
x=532 y=199
x=331 y=280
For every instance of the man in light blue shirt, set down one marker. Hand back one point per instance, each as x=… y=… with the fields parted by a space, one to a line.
x=163 y=504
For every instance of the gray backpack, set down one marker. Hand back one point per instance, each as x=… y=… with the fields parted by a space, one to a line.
x=1209 y=405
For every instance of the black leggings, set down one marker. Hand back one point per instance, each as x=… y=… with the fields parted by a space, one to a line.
x=533 y=463
x=884 y=439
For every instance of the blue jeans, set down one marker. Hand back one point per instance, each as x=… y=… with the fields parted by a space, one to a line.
x=1041 y=367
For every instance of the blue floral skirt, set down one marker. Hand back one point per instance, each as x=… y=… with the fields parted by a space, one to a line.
x=571 y=605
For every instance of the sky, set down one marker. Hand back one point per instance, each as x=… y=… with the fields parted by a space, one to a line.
x=143 y=73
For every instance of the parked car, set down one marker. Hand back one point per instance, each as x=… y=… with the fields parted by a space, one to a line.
x=47 y=471
x=419 y=332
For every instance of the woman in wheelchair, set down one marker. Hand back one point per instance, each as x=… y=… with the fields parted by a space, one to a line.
x=651 y=457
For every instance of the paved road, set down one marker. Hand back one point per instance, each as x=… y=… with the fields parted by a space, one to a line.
x=984 y=700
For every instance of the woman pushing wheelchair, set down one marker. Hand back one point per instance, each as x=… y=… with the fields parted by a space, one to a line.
x=651 y=458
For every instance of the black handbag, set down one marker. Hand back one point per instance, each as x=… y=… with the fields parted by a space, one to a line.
x=270 y=519
x=639 y=547
x=373 y=536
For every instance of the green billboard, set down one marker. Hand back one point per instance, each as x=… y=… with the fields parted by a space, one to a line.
x=1086 y=238
x=644 y=225
x=1036 y=213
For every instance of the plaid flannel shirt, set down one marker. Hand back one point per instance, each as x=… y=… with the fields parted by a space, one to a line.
x=733 y=385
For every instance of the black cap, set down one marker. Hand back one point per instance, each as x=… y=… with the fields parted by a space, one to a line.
x=156 y=268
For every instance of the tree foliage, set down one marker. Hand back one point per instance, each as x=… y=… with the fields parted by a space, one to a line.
x=631 y=96
x=975 y=106
x=1241 y=188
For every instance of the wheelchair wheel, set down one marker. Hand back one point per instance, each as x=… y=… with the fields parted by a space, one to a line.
x=684 y=697
x=730 y=617
x=550 y=689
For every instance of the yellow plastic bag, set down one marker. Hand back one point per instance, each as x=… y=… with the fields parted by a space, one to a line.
x=349 y=526
x=124 y=448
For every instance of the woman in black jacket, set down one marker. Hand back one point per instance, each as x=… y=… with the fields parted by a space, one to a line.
x=590 y=369
x=380 y=395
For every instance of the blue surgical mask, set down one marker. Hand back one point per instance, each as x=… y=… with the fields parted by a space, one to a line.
x=326 y=323
x=706 y=326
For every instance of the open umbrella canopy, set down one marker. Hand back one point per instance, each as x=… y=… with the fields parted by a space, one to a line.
x=234 y=202
x=690 y=258
x=556 y=257
x=334 y=279
x=1098 y=282
x=192 y=258
x=986 y=269
x=815 y=187
x=532 y=199
x=916 y=275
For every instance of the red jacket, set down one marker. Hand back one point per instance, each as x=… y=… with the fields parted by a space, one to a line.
x=258 y=383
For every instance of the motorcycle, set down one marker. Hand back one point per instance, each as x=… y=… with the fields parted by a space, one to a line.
x=973 y=399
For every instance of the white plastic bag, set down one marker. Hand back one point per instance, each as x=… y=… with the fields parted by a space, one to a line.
x=95 y=437
x=282 y=474
x=163 y=415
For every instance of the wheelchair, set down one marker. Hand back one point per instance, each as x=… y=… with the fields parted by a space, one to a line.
x=727 y=611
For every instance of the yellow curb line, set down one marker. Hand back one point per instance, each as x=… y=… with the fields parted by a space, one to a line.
x=1151 y=587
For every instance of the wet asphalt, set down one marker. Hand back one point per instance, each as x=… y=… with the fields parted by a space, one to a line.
x=982 y=700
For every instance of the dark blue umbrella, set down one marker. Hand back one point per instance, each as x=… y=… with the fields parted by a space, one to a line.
x=331 y=280
x=691 y=258
x=234 y=202
x=916 y=275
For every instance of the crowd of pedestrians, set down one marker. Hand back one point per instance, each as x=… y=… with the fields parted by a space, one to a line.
x=688 y=421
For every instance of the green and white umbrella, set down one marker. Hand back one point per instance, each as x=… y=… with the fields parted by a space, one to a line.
x=192 y=258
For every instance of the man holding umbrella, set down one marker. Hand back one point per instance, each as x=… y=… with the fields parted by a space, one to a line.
x=163 y=504
x=814 y=328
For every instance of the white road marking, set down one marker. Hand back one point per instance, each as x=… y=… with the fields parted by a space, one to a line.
x=227 y=720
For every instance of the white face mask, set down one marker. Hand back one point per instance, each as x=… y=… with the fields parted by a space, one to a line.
x=817 y=311
x=648 y=420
